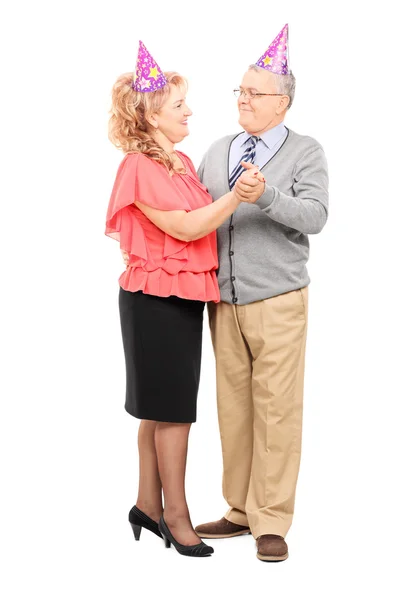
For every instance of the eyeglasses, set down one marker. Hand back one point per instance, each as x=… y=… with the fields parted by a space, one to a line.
x=252 y=95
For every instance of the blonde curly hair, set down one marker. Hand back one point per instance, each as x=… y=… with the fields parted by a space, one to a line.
x=128 y=128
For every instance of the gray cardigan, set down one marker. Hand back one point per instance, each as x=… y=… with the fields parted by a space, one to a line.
x=263 y=248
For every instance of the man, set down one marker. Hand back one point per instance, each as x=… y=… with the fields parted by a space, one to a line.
x=259 y=327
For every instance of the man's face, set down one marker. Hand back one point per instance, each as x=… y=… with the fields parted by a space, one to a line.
x=260 y=113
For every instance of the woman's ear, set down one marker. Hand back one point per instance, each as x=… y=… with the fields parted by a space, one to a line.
x=152 y=121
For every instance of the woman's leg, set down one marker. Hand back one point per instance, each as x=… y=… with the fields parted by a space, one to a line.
x=171 y=445
x=149 y=498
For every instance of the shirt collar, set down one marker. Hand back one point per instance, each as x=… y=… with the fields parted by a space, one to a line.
x=270 y=137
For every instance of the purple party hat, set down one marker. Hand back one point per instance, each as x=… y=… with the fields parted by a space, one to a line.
x=148 y=76
x=275 y=59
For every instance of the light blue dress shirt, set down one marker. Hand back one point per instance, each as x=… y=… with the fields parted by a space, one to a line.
x=269 y=145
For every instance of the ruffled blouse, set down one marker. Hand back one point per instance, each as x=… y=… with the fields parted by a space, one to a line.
x=159 y=264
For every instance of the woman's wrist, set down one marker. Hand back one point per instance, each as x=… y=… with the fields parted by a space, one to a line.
x=235 y=199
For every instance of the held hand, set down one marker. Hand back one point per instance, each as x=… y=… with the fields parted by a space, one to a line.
x=252 y=171
x=125 y=257
x=250 y=185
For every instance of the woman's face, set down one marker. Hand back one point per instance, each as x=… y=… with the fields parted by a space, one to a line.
x=171 y=119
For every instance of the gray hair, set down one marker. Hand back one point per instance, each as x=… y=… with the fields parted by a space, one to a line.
x=285 y=84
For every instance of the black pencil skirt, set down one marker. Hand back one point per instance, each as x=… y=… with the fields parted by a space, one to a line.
x=162 y=340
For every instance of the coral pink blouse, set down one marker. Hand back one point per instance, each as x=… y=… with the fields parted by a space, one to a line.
x=159 y=264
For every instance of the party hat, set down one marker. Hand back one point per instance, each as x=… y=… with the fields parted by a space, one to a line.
x=275 y=59
x=148 y=76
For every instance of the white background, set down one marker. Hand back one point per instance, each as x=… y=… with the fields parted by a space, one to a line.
x=68 y=449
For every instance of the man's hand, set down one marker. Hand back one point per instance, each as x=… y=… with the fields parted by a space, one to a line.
x=250 y=185
x=125 y=256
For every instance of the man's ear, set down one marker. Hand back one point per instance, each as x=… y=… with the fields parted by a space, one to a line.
x=283 y=104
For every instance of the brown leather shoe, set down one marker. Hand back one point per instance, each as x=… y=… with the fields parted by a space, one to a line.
x=220 y=529
x=272 y=548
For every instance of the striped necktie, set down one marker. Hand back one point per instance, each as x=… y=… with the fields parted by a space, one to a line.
x=248 y=156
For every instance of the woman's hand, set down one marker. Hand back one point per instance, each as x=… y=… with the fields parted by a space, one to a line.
x=125 y=257
x=250 y=185
x=252 y=171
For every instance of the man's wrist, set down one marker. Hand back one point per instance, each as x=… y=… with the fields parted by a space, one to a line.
x=266 y=198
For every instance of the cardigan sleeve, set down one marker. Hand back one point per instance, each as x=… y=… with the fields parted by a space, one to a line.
x=307 y=211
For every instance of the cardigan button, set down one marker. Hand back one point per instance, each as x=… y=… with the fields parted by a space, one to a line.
x=234 y=300
x=231 y=253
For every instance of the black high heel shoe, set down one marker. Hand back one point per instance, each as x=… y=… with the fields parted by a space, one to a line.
x=197 y=550
x=139 y=519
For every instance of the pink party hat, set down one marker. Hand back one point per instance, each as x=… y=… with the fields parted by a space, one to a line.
x=148 y=76
x=275 y=59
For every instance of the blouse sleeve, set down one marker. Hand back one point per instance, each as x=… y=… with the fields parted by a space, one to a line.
x=142 y=179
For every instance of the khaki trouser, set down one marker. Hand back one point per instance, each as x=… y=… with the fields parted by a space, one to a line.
x=260 y=350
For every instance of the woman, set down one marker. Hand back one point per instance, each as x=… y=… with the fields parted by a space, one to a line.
x=165 y=222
